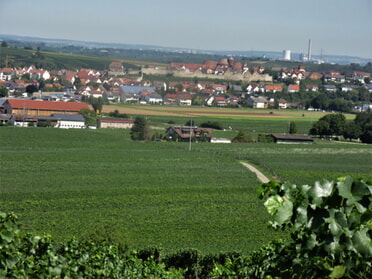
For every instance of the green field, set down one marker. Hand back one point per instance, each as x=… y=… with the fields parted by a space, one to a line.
x=81 y=183
x=99 y=184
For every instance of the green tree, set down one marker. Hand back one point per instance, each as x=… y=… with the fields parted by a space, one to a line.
x=329 y=125
x=97 y=104
x=320 y=128
x=320 y=102
x=292 y=128
x=340 y=105
x=3 y=92
x=241 y=137
x=364 y=121
x=140 y=130
x=352 y=131
x=90 y=117
x=198 y=101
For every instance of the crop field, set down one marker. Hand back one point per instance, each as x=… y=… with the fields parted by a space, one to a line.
x=302 y=164
x=98 y=184
x=251 y=121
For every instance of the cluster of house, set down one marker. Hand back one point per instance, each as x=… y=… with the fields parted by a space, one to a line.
x=24 y=113
x=113 y=85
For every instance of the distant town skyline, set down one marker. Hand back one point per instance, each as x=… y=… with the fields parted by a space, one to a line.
x=335 y=27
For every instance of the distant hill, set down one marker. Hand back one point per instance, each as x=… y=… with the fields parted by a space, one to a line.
x=141 y=52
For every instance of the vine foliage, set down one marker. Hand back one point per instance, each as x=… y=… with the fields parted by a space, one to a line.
x=330 y=225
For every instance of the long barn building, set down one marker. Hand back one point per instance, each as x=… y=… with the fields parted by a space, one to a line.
x=41 y=108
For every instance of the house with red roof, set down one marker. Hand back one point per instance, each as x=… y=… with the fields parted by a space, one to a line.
x=292 y=88
x=273 y=88
x=184 y=99
x=312 y=87
x=220 y=101
x=170 y=99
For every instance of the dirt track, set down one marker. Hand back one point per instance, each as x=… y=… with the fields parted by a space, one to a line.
x=259 y=174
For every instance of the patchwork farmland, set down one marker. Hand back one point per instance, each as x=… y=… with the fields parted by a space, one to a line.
x=98 y=184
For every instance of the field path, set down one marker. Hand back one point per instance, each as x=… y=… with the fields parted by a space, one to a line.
x=259 y=174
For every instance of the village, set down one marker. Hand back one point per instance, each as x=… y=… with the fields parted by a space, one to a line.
x=238 y=86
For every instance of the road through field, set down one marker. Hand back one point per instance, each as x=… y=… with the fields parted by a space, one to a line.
x=259 y=174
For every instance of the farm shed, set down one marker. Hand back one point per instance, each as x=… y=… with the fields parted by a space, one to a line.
x=115 y=123
x=220 y=140
x=291 y=139
x=68 y=121
x=5 y=118
x=183 y=133
x=41 y=108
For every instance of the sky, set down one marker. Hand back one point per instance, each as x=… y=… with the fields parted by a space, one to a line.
x=335 y=27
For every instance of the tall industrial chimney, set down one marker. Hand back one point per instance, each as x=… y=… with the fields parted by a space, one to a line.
x=309 y=51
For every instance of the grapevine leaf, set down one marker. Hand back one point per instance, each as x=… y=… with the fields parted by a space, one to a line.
x=273 y=203
x=338 y=271
x=333 y=247
x=353 y=192
x=11 y=261
x=370 y=189
x=301 y=214
x=362 y=242
x=311 y=242
x=284 y=212
x=8 y=236
x=320 y=190
x=334 y=226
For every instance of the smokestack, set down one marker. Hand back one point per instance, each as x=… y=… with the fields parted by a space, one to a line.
x=309 y=51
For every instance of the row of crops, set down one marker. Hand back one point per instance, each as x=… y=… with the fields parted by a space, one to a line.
x=101 y=185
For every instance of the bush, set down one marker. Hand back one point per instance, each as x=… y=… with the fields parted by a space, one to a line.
x=117 y=114
x=212 y=124
x=242 y=137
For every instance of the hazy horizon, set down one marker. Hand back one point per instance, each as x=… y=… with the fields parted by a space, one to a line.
x=335 y=27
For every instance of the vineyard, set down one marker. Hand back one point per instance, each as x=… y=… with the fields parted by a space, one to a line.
x=101 y=185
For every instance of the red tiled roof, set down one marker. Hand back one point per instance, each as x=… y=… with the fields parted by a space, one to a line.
x=273 y=87
x=47 y=105
x=220 y=99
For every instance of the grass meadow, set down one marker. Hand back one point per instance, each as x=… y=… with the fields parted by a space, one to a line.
x=98 y=184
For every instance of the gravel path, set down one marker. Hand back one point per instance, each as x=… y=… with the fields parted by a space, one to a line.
x=259 y=174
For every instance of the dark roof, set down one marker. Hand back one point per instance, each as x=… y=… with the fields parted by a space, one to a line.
x=136 y=89
x=292 y=137
x=5 y=116
x=184 y=131
x=69 y=117
x=115 y=120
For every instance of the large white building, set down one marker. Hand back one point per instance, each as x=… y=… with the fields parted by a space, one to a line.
x=286 y=54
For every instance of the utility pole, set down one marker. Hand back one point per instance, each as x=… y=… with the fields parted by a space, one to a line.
x=190 y=134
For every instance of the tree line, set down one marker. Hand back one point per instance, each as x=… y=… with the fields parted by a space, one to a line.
x=335 y=125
